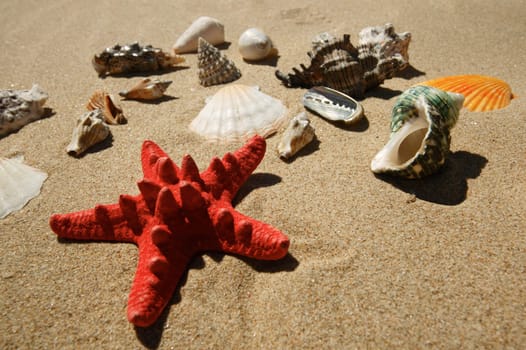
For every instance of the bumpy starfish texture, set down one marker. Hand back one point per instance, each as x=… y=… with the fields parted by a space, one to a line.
x=177 y=214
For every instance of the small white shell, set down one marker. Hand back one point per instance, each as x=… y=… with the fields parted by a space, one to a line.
x=208 y=28
x=18 y=184
x=237 y=112
x=255 y=45
x=298 y=134
x=90 y=130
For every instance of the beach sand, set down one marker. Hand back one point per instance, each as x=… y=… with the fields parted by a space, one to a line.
x=373 y=262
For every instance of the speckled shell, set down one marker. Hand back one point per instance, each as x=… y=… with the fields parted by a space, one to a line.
x=298 y=134
x=208 y=28
x=420 y=133
x=481 y=93
x=214 y=68
x=237 y=112
x=133 y=58
x=337 y=64
x=111 y=110
x=18 y=184
x=20 y=107
x=146 y=89
x=333 y=105
x=90 y=130
x=255 y=45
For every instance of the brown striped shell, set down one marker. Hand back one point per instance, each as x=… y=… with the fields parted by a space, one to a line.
x=111 y=110
x=214 y=68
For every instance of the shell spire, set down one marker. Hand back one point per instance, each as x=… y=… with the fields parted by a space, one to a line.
x=214 y=68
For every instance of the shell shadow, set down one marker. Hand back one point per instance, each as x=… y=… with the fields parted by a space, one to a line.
x=223 y=46
x=449 y=186
x=164 y=98
x=255 y=181
x=269 y=61
x=383 y=92
x=310 y=148
x=150 y=337
x=128 y=75
x=410 y=72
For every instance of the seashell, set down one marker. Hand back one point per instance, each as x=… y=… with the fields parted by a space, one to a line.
x=384 y=42
x=237 y=112
x=133 y=58
x=420 y=133
x=333 y=105
x=20 y=107
x=19 y=183
x=90 y=130
x=337 y=64
x=207 y=28
x=214 y=68
x=255 y=45
x=481 y=93
x=111 y=110
x=147 y=89
x=298 y=134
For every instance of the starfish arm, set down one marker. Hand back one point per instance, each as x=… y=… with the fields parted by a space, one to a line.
x=240 y=164
x=159 y=270
x=253 y=238
x=150 y=154
x=104 y=222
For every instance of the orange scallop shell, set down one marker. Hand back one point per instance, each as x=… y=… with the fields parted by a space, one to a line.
x=481 y=93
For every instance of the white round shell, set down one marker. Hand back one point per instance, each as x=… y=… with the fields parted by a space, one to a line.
x=237 y=112
x=254 y=44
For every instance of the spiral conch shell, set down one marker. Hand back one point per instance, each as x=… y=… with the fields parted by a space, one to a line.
x=420 y=133
x=255 y=45
x=214 y=68
x=90 y=130
x=208 y=28
x=146 y=89
x=111 y=110
x=298 y=134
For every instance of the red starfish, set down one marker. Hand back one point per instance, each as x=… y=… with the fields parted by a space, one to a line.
x=178 y=214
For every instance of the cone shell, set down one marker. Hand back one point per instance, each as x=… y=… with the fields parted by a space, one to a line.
x=18 y=184
x=420 y=133
x=111 y=110
x=208 y=28
x=146 y=89
x=237 y=112
x=481 y=93
x=90 y=130
x=298 y=134
x=214 y=68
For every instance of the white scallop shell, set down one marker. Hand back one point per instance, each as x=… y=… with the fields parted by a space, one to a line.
x=254 y=44
x=237 y=112
x=208 y=28
x=18 y=184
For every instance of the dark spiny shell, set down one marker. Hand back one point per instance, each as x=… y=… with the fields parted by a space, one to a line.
x=337 y=64
x=133 y=58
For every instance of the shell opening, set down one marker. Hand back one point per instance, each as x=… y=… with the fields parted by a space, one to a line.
x=404 y=145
